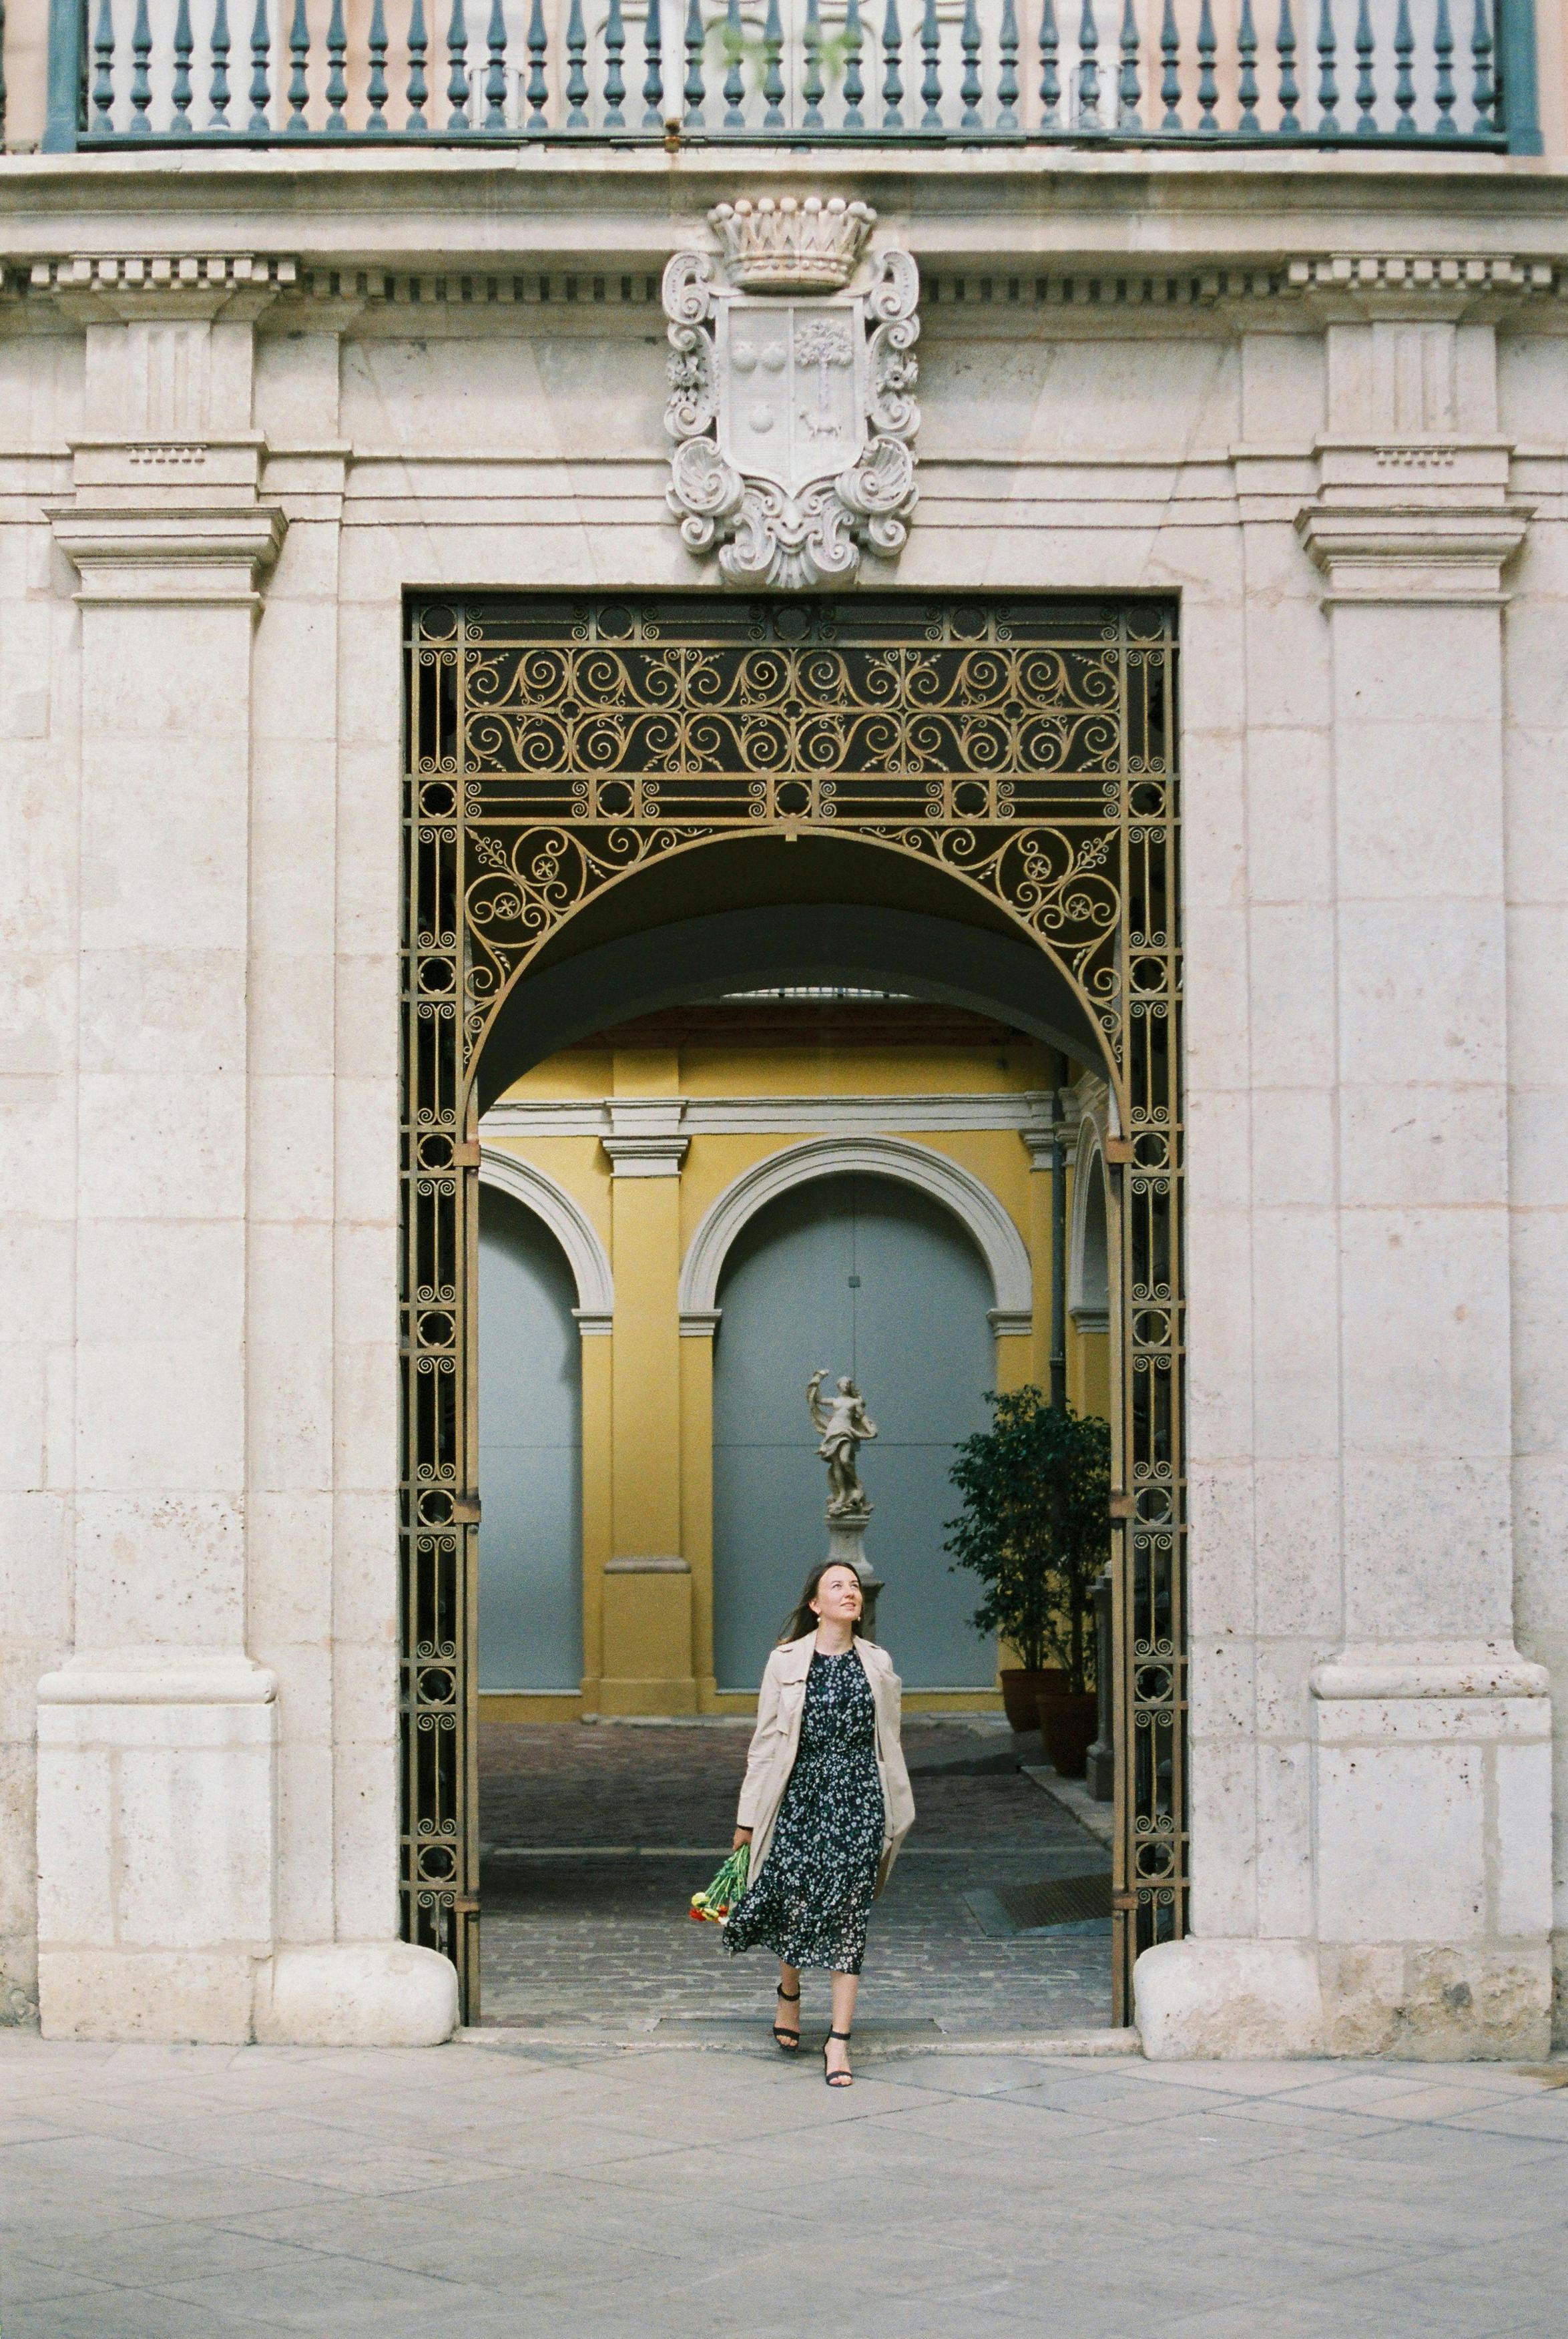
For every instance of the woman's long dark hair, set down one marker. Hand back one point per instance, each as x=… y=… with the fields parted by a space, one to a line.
x=802 y=1621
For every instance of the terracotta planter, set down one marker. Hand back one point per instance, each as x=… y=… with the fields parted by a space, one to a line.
x=1067 y=1720
x=1020 y=1689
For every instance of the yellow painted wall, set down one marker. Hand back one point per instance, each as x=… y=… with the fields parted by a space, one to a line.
x=647 y=1392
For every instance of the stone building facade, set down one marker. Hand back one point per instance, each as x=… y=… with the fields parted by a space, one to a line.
x=1316 y=401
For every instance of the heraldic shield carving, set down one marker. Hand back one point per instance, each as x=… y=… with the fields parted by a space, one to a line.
x=789 y=393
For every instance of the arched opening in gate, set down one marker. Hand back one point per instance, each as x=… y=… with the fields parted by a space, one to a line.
x=567 y=990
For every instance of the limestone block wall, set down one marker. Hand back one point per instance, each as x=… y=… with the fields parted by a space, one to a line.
x=1350 y=470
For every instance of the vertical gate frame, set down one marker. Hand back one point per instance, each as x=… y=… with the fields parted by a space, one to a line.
x=557 y=743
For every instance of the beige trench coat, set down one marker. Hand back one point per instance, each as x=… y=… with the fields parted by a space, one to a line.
x=776 y=1740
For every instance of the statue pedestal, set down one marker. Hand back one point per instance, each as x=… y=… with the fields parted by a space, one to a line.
x=846 y=1547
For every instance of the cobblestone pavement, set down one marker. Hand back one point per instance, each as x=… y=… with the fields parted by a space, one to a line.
x=515 y=2190
x=597 y=1837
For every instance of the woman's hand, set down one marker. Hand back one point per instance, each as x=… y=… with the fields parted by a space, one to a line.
x=743 y=1835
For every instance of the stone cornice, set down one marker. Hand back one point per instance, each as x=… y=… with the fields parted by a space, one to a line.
x=1431 y=552
x=153 y=554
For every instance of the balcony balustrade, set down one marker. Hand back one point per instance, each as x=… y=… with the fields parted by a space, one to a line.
x=1444 y=74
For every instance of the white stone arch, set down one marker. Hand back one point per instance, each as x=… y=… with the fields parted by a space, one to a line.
x=972 y=1204
x=569 y=1222
x=1089 y=1239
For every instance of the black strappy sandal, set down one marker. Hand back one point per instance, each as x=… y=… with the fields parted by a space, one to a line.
x=836 y=2078
x=787 y=2041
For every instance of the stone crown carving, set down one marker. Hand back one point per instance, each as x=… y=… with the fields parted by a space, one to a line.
x=793 y=247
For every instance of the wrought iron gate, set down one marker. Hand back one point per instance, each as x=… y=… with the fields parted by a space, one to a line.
x=556 y=746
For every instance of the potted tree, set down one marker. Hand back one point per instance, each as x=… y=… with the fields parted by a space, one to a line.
x=1036 y=1488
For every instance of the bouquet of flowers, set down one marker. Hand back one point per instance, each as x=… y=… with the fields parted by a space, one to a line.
x=712 y=1907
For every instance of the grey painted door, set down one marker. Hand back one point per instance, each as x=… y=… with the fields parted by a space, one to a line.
x=866 y=1276
x=530 y=1445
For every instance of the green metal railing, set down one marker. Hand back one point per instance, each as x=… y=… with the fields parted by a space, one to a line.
x=1447 y=73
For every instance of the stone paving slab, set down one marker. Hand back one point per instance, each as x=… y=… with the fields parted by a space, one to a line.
x=522 y=2188
x=595 y=1842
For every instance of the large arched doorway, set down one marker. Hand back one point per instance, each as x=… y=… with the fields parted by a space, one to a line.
x=884 y=1280
x=614 y=806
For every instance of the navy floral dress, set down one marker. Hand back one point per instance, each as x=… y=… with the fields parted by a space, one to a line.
x=811 y=1902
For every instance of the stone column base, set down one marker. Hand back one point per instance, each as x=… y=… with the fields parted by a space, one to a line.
x=356 y=1994
x=180 y=1996
x=1439 y=2002
x=1234 y=2000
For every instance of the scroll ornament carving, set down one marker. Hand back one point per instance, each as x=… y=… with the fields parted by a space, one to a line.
x=794 y=417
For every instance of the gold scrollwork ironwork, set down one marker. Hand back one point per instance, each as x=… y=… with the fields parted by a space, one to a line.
x=557 y=747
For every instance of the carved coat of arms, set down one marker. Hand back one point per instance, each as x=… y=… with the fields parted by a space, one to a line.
x=790 y=404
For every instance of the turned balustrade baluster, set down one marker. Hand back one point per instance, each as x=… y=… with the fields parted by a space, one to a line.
x=1246 y=74
x=496 y=69
x=538 y=84
x=1049 y=77
x=1327 y=76
x=1404 y=73
x=220 y=46
x=854 y=80
x=576 y=68
x=1171 y=72
x=1485 y=94
x=893 y=76
x=419 y=87
x=457 y=78
x=930 y=80
x=1089 y=70
x=615 y=79
x=694 y=90
x=1208 y=82
x=376 y=73
x=1289 y=87
x=259 y=125
x=141 y=73
x=773 y=78
x=1128 y=91
x=1444 y=94
x=337 y=74
x=180 y=90
x=103 y=70
x=968 y=85
x=653 y=68
x=299 y=70
x=734 y=77
x=1007 y=83
x=1366 y=86
x=812 y=89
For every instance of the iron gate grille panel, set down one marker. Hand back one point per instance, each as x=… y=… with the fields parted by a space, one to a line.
x=557 y=745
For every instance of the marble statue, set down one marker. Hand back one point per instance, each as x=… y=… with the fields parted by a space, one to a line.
x=843 y=1425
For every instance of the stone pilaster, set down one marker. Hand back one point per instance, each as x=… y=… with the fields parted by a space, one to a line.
x=158 y=1791
x=1431 y=1803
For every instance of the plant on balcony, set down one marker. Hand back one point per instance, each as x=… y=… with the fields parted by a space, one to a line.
x=1036 y=1488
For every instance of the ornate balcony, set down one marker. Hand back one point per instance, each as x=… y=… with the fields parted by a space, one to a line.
x=1449 y=75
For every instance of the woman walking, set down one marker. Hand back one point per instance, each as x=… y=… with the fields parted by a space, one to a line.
x=824 y=1806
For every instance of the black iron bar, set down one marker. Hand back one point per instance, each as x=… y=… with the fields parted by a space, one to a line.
x=1089 y=70
x=931 y=79
x=538 y=84
x=773 y=77
x=969 y=85
x=1050 y=76
x=141 y=75
x=812 y=89
x=375 y=92
x=496 y=69
x=892 y=77
x=1403 y=77
x=1328 y=78
x=694 y=39
x=337 y=74
x=1208 y=82
x=853 y=82
x=1007 y=84
x=260 y=124
x=734 y=78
